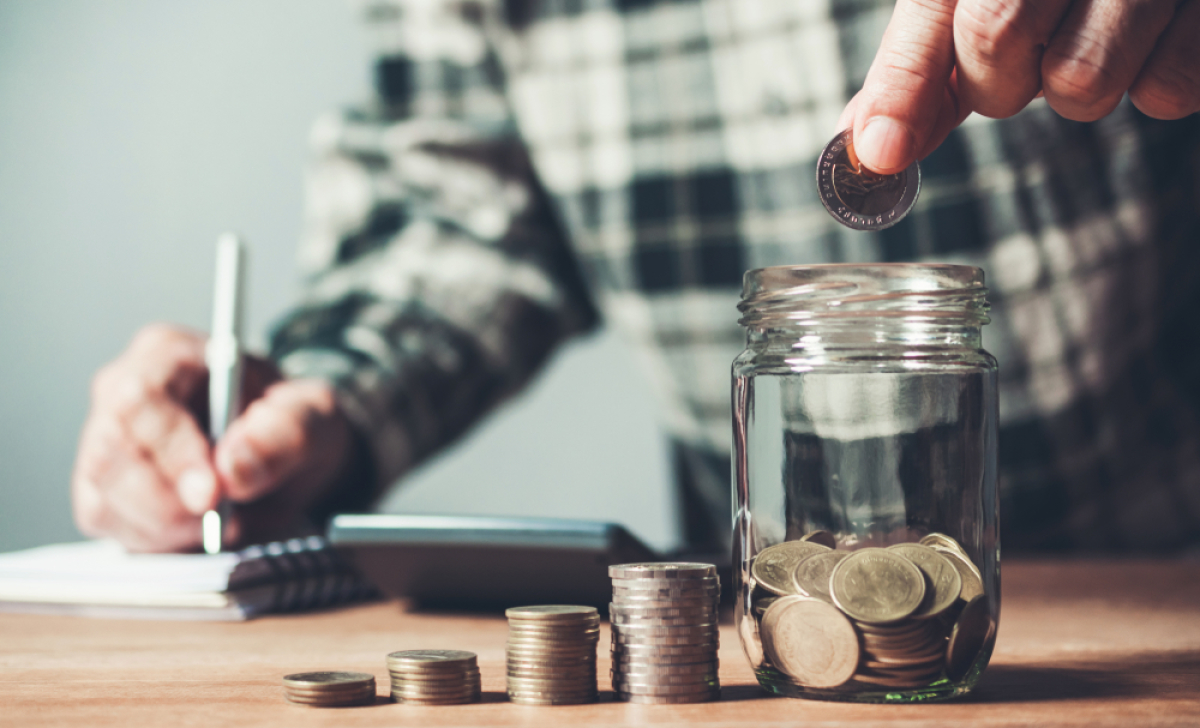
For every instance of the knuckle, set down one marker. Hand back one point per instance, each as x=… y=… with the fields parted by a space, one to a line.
x=155 y=335
x=1082 y=87
x=1170 y=92
x=129 y=393
x=987 y=31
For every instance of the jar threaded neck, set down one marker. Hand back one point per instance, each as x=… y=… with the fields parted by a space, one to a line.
x=905 y=294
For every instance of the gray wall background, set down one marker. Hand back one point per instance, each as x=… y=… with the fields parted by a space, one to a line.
x=131 y=133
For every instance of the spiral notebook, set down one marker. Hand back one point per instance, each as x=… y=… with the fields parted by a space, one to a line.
x=99 y=579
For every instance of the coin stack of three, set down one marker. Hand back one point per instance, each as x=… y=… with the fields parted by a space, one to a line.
x=664 y=632
x=434 y=677
x=551 y=654
x=330 y=689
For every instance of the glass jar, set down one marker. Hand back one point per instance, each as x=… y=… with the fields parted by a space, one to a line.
x=866 y=546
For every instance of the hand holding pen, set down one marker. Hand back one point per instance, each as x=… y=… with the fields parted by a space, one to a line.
x=146 y=470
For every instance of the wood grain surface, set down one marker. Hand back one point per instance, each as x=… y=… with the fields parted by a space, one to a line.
x=1080 y=644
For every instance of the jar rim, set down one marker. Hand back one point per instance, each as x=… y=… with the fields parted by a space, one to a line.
x=943 y=292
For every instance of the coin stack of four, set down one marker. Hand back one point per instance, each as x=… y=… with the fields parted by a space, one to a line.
x=551 y=654
x=664 y=632
x=434 y=677
x=330 y=689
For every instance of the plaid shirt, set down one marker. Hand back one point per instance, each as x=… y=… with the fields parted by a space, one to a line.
x=529 y=166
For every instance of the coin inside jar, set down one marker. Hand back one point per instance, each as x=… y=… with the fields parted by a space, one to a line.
x=859 y=198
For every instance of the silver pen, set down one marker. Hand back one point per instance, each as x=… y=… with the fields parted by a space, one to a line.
x=223 y=355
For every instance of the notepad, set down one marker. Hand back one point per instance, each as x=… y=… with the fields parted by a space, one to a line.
x=98 y=578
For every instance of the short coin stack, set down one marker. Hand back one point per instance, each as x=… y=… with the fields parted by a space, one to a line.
x=552 y=654
x=330 y=689
x=434 y=677
x=664 y=632
x=900 y=617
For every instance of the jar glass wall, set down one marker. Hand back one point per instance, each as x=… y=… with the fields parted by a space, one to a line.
x=866 y=549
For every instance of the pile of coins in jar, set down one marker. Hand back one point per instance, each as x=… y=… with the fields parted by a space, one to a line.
x=905 y=616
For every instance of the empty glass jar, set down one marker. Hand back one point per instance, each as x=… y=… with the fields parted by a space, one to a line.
x=866 y=547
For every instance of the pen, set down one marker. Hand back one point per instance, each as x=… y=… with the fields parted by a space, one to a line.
x=223 y=355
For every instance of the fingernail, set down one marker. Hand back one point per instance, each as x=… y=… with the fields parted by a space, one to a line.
x=240 y=463
x=196 y=490
x=884 y=145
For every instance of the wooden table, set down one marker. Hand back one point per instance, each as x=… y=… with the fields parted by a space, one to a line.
x=1084 y=643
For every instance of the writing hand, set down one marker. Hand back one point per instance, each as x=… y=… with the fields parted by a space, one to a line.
x=145 y=472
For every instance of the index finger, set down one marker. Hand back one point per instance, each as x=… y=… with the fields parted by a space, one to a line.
x=905 y=91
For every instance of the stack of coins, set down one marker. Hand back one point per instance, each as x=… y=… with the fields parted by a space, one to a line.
x=664 y=632
x=329 y=689
x=900 y=617
x=552 y=654
x=434 y=677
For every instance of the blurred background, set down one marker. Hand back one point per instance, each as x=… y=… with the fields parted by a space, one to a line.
x=132 y=132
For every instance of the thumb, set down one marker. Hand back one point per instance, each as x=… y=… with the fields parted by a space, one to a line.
x=899 y=108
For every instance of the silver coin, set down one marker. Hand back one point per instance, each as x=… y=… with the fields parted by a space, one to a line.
x=620 y=681
x=437 y=701
x=637 y=690
x=433 y=677
x=662 y=570
x=558 y=694
x=666 y=629
x=411 y=692
x=548 y=661
x=700 y=595
x=552 y=644
x=554 y=631
x=640 y=612
x=660 y=652
x=621 y=622
x=563 y=684
x=433 y=658
x=711 y=602
x=625 y=678
x=297 y=694
x=857 y=197
x=554 y=625
x=676 y=640
x=669 y=699
x=552 y=679
x=551 y=612
x=645 y=583
x=644 y=663
x=328 y=680
x=332 y=702
x=525 y=700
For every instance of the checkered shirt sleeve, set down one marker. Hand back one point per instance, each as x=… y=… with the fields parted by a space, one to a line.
x=437 y=275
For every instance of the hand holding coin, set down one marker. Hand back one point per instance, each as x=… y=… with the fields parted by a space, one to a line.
x=941 y=60
x=859 y=198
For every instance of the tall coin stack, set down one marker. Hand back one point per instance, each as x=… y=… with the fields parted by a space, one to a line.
x=664 y=632
x=434 y=677
x=330 y=689
x=552 y=654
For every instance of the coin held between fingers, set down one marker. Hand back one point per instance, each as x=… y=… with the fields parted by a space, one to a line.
x=859 y=198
